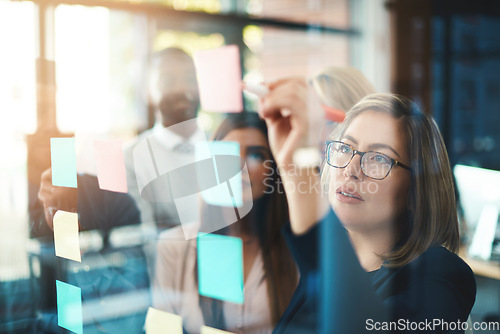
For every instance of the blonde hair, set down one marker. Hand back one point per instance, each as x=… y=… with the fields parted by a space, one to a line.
x=431 y=217
x=341 y=87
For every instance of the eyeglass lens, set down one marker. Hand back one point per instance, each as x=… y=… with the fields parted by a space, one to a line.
x=373 y=164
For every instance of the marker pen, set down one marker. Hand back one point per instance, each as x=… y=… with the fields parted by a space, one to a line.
x=261 y=91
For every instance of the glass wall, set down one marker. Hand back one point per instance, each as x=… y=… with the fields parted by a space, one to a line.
x=18 y=118
x=102 y=61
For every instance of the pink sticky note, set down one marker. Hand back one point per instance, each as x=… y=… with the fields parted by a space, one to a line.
x=110 y=163
x=219 y=79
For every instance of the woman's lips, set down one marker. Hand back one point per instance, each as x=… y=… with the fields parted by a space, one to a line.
x=345 y=195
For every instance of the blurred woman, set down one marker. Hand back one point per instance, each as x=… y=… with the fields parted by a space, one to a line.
x=270 y=274
x=338 y=89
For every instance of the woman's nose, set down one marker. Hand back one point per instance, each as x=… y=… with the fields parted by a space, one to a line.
x=353 y=169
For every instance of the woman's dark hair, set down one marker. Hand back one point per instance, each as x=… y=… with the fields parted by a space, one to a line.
x=268 y=216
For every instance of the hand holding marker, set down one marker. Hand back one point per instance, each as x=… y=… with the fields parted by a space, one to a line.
x=260 y=90
x=303 y=157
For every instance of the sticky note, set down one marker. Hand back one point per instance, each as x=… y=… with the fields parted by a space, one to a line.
x=69 y=307
x=111 y=174
x=63 y=162
x=160 y=322
x=66 y=239
x=210 y=330
x=219 y=79
x=220 y=267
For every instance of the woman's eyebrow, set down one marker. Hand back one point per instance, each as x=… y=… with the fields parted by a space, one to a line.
x=373 y=146
x=378 y=146
x=351 y=139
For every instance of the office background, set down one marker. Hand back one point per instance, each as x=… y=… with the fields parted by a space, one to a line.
x=79 y=68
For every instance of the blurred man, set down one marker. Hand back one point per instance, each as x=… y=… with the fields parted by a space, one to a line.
x=174 y=95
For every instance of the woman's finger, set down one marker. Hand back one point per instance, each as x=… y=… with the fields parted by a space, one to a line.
x=285 y=99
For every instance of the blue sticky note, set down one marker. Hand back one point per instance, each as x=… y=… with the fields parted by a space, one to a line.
x=220 y=267
x=63 y=161
x=69 y=307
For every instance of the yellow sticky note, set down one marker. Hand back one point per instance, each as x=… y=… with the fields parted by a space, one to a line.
x=210 y=330
x=66 y=240
x=160 y=322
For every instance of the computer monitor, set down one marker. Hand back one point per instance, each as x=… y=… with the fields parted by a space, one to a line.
x=479 y=191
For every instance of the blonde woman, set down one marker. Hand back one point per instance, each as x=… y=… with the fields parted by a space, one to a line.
x=391 y=217
x=339 y=88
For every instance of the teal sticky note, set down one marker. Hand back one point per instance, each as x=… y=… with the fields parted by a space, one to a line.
x=63 y=162
x=220 y=267
x=69 y=307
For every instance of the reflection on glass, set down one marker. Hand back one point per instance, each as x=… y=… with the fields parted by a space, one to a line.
x=101 y=74
x=188 y=41
x=17 y=118
x=99 y=71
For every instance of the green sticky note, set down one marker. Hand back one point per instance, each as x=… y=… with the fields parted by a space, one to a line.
x=220 y=267
x=69 y=307
x=63 y=162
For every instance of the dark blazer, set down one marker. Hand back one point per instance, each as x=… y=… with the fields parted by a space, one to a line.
x=437 y=285
x=102 y=209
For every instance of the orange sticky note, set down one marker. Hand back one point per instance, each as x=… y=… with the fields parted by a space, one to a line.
x=159 y=322
x=219 y=79
x=66 y=241
x=110 y=163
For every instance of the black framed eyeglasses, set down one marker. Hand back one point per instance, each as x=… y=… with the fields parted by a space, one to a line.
x=374 y=165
